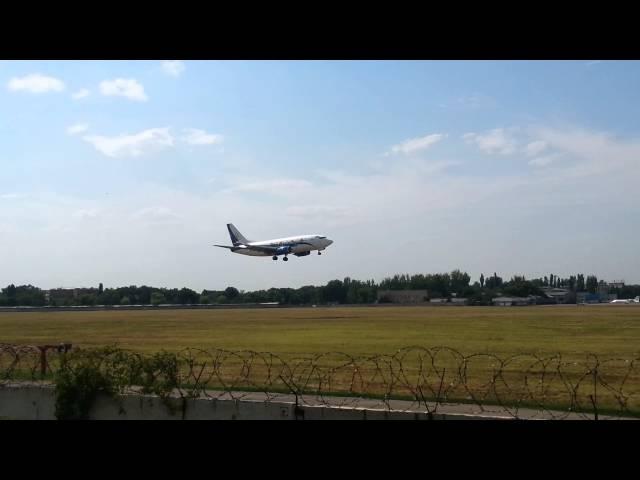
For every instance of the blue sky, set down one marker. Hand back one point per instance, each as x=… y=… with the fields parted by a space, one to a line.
x=126 y=172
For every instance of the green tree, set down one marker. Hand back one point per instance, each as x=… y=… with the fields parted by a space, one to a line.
x=231 y=293
x=157 y=298
x=125 y=301
x=88 y=299
x=10 y=293
x=518 y=286
x=187 y=296
x=482 y=280
x=493 y=282
x=334 y=292
x=459 y=281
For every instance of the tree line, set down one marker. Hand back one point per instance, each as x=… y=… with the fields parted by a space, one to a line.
x=346 y=291
x=335 y=291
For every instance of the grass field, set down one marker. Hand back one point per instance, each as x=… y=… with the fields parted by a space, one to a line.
x=604 y=330
x=609 y=331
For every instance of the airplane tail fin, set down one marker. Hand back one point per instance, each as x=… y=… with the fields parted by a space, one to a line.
x=236 y=237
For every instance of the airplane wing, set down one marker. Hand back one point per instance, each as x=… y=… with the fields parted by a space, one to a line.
x=262 y=249
x=249 y=247
x=273 y=250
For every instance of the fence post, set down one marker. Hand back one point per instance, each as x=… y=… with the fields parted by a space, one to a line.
x=594 y=397
x=43 y=361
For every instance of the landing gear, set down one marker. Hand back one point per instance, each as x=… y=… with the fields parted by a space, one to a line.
x=319 y=253
x=285 y=259
x=274 y=257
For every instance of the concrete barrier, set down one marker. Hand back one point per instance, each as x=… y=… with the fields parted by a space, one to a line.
x=27 y=403
x=37 y=402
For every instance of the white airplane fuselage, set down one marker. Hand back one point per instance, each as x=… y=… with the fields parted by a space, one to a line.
x=628 y=300
x=301 y=244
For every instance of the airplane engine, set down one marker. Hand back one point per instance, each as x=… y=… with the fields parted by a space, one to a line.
x=302 y=254
x=283 y=250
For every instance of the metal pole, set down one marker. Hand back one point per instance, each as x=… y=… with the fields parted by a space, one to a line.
x=43 y=361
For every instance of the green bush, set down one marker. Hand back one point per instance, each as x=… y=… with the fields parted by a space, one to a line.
x=86 y=374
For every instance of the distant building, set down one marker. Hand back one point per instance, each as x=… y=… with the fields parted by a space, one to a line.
x=439 y=300
x=603 y=288
x=459 y=301
x=600 y=297
x=403 y=296
x=587 y=297
x=62 y=295
x=511 y=301
x=559 y=295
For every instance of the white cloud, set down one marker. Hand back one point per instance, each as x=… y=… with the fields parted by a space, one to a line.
x=173 y=67
x=283 y=186
x=535 y=148
x=82 y=93
x=124 y=87
x=155 y=214
x=35 y=83
x=194 y=136
x=477 y=101
x=86 y=213
x=498 y=140
x=318 y=211
x=147 y=141
x=543 y=161
x=78 y=128
x=417 y=144
x=12 y=196
x=594 y=153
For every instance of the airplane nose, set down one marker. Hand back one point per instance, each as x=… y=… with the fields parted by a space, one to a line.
x=330 y=241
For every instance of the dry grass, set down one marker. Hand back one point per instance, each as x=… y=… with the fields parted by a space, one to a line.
x=604 y=330
x=609 y=331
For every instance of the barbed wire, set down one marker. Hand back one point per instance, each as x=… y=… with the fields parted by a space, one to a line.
x=431 y=380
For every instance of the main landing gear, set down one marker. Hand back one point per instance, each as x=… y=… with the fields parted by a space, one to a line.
x=319 y=252
x=284 y=259
x=274 y=257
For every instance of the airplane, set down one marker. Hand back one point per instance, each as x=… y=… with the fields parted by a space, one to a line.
x=635 y=300
x=299 y=246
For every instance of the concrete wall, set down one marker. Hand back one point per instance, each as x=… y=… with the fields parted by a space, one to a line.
x=28 y=402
